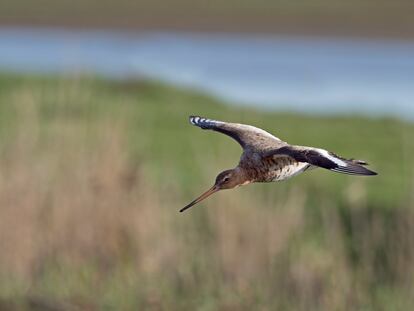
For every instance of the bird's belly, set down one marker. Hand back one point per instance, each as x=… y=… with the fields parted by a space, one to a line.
x=282 y=173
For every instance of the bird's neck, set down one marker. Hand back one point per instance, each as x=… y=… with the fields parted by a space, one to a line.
x=243 y=176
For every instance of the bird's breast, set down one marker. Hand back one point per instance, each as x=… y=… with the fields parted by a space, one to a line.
x=279 y=169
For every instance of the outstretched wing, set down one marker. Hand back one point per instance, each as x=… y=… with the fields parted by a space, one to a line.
x=322 y=158
x=246 y=135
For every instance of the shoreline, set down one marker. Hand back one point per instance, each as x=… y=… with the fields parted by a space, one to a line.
x=289 y=32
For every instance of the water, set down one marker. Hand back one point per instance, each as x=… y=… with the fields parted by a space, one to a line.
x=313 y=75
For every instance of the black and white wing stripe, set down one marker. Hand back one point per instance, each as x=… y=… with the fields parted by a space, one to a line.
x=323 y=158
x=246 y=135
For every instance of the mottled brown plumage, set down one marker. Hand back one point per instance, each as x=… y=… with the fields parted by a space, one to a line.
x=266 y=158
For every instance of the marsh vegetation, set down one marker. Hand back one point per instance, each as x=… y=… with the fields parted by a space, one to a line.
x=93 y=173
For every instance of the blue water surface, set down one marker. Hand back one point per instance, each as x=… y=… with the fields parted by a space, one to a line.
x=316 y=75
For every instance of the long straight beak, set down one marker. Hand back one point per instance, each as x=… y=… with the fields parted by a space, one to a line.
x=201 y=197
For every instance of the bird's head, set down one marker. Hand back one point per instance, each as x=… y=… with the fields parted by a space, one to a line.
x=227 y=179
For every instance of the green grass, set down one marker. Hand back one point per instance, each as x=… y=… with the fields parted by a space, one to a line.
x=93 y=173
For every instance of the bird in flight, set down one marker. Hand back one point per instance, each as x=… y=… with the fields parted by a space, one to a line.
x=266 y=158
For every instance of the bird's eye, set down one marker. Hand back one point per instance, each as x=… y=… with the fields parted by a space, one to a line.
x=226 y=179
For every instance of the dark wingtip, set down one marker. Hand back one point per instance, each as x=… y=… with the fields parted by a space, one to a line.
x=368 y=172
x=354 y=169
x=363 y=170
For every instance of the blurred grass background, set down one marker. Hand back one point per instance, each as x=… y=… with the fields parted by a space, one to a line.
x=93 y=173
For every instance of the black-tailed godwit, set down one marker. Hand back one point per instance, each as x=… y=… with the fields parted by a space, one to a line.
x=266 y=158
